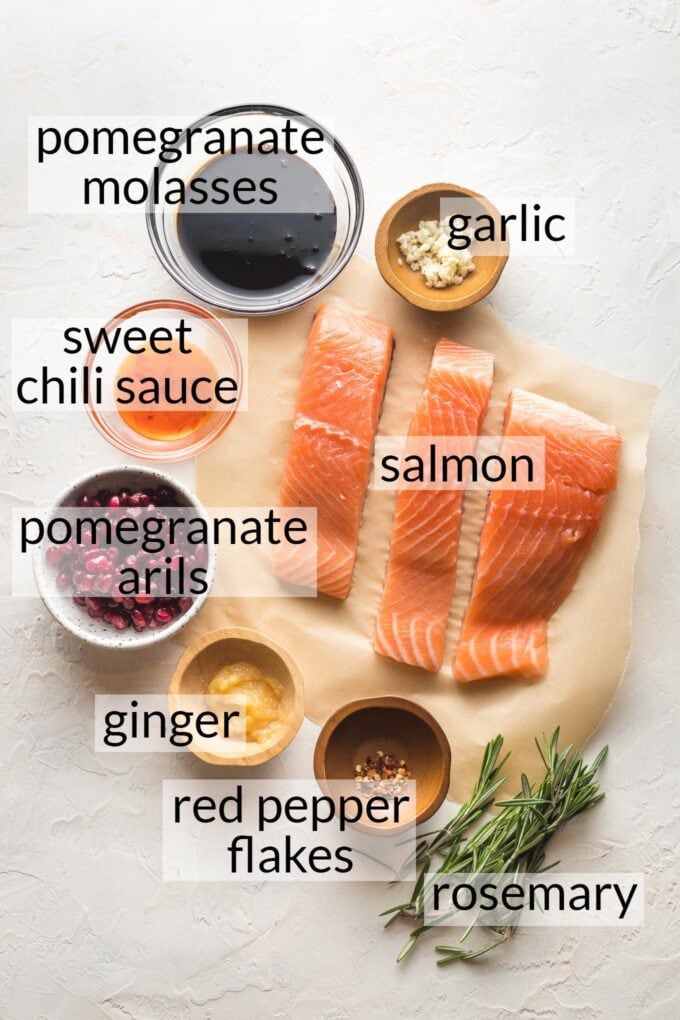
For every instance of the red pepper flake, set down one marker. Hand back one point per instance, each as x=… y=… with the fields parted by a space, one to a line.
x=386 y=774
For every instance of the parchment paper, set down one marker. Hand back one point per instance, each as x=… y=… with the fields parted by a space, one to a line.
x=588 y=637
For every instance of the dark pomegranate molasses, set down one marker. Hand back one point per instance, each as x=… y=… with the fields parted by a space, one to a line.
x=275 y=235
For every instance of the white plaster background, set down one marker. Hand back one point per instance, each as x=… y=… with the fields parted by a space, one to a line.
x=530 y=97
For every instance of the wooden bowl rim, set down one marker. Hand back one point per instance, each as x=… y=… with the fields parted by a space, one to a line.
x=256 y=637
x=434 y=303
x=389 y=701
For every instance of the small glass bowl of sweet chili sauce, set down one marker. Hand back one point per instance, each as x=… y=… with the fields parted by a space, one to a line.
x=165 y=379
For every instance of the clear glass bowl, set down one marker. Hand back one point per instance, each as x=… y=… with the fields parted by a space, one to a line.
x=207 y=333
x=339 y=173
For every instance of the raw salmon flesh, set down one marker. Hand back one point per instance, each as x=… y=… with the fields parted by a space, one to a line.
x=328 y=459
x=421 y=570
x=533 y=542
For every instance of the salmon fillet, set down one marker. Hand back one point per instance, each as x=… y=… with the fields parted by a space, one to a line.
x=533 y=542
x=421 y=570
x=328 y=459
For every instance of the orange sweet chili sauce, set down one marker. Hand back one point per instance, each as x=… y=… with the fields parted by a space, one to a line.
x=176 y=372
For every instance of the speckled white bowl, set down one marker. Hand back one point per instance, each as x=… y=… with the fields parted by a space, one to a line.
x=73 y=617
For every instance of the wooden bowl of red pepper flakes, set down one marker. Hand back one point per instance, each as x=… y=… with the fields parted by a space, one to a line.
x=370 y=740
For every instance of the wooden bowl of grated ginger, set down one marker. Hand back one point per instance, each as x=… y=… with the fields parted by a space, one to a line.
x=245 y=670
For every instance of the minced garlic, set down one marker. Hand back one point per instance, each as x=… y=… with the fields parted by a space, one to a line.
x=426 y=250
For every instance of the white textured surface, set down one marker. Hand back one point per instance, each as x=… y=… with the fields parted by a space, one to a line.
x=578 y=99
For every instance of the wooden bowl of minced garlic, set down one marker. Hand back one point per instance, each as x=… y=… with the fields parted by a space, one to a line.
x=434 y=262
x=250 y=684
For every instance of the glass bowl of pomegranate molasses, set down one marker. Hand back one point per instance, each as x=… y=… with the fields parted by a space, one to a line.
x=166 y=379
x=255 y=209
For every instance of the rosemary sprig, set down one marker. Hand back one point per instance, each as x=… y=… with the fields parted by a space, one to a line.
x=452 y=834
x=514 y=840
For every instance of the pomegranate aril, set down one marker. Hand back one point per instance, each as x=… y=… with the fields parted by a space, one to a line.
x=63 y=581
x=99 y=564
x=140 y=499
x=185 y=603
x=103 y=584
x=120 y=620
x=79 y=600
x=162 y=615
x=143 y=600
x=138 y=619
x=82 y=582
x=54 y=554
